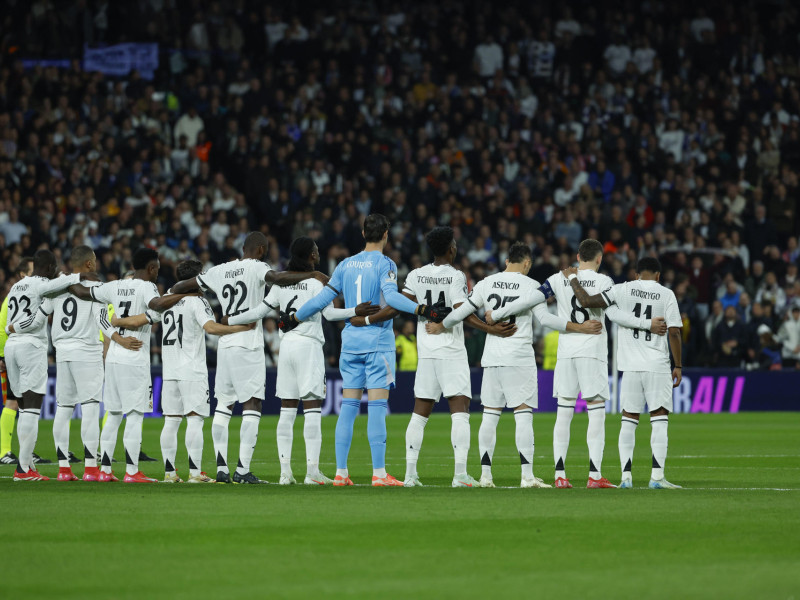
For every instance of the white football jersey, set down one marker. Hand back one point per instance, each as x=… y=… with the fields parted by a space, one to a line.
x=25 y=298
x=291 y=297
x=183 y=339
x=128 y=297
x=579 y=345
x=76 y=327
x=432 y=284
x=239 y=286
x=492 y=293
x=639 y=350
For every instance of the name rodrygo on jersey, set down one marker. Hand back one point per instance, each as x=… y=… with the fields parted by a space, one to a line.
x=639 y=350
x=579 y=345
x=433 y=284
x=239 y=285
x=493 y=292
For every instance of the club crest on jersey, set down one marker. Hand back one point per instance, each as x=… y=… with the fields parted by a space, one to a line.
x=392 y=276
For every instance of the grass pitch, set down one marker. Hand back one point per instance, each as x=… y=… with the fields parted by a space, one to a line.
x=734 y=532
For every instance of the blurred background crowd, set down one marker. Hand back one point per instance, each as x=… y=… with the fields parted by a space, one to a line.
x=661 y=128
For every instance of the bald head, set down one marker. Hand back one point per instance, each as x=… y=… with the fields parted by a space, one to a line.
x=255 y=245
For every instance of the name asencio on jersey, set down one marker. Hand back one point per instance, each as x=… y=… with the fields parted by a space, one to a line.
x=505 y=285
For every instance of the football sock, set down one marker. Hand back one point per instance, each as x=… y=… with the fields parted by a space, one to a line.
x=108 y=439
x=344 y=432
x=90 y=432
x=219 y=435
x=132 y=441
x=312 y=433
x=61 y=434
x=414 y=434
x=248 y=436
x=524 y=439
x=459 y=437
x=285 y=435
x=7 y=419
x=658 y=442
x=194 y=443
x=627 y=440
x=169 y=442
x=27 y=432
x=564 y=414
x=596 y=438
x=487 y=439
x=376 y=434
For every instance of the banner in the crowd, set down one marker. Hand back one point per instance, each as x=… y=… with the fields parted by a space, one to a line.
x=120 y=59
x=701 y=391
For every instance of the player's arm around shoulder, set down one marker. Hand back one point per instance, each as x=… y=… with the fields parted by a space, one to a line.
x=587 y=300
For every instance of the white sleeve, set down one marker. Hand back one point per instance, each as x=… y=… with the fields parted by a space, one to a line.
x=149 y=293
x=262 y=269
x=673 y=316
x=208 y=280
x=56 y=286
x=103 y=293
x=338 y=314
x=458 y=289
x=36 y=321
x=273 y=298
x=626 y=319
x=104 y=323
x=473 y=303
x=519 y=305
x=408 y=284
x=548 y=319
x=610 y=294
x=203 y=313
x=252 y=315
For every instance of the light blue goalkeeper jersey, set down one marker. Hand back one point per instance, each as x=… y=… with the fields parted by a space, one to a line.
x=366 y=277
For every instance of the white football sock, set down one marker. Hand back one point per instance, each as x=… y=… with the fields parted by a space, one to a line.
x=27 y=434
x=194 y=444
x=524 y=439
x=414 y=435
x=627 y=440
x=312 y=434
x=90 y=431
x=61 y=434
x=108 y=440
x=658 y=442
x=564 y=414
x=219 y=435
x=459 y=437
x=596 y=438
x=169 y=442
x=487 y=439
x=285 y=435
x=132 y=441
x=248 y=436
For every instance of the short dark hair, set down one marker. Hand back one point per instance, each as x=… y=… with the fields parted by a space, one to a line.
x=589 y=249
x=143 y=257
x=439 y=240
x=255 y=239
x=518 y=252
x=375 y=225
x=23 y=265
x=80 y=254
x=188 y=269
x=301 y=250
x=43 y=260
x=648 y=264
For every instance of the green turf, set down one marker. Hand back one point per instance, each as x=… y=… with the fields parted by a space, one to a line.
x=731 y=533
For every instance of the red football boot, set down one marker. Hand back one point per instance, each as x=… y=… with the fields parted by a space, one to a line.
x=593 y=484
x=138 y=477
x=107 y=477
x=66 y=474
x=29 y=475
x=563 y=483
x=91 y=474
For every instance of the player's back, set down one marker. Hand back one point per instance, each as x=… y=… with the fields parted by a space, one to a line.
x=24 y=299
x=291 y=297
x=239 y=286
x=517 y=350
x=75 y=330
x=128 y=297
x=641 y=350
x=578 y=345
x=434 y=284
x=183 y=339
x=360 y=278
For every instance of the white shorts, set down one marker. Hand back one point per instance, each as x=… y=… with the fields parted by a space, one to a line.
x=128 y=388
x=510 y=387
x=183 y=397
x=301 y=370
x=585 y=376
x=438 y=377
x=79 y=382
x=26 y=366
x=640 y=387
x=241 y=375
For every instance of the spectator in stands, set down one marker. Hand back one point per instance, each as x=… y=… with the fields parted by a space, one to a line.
x=789 y=337
x=728 y=339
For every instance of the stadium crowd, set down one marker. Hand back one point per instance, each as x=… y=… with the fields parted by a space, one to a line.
x=659 y=128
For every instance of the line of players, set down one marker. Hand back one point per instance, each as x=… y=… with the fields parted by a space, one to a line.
x=366 y=281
